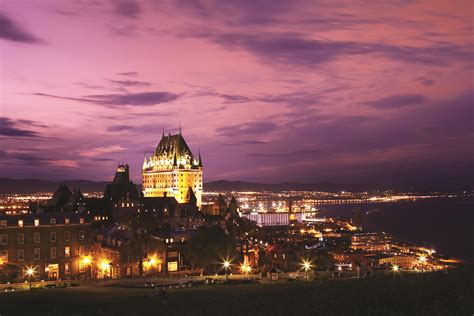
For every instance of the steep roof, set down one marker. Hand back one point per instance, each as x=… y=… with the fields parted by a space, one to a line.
x=172 y=145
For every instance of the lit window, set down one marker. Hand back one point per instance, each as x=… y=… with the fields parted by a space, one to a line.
x=52 y=236
x=67 y=221
x=37 y=253
x=172 y=266
x=82 y=250
x=3 y=223
x=36 y=238
x=20 y=223
x=52 y=221
x=81 y=220
x=37 y=222
x=67 y=268
x=67 y=251
x=82 y=267
x=52 y=252
x=4 y=255
x=21 y=238
x=21 y=255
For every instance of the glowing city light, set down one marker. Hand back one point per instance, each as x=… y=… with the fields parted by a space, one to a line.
x=395 y=268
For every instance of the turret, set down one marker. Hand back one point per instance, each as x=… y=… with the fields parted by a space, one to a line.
x=145 y=165
x=200 y=160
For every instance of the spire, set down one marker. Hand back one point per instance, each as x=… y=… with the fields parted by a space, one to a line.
x=200 y=159
x=144 y=162
x=163 y=135
x=179 y=128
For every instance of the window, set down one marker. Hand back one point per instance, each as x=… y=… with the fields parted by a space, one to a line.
x=82 y=235
x=67 y=251
x=21 y=238
x=21 y=255
x=172 y=254
x=37 y=254
x=3 y=239
x=52 y=236
x=36 y=238
x=81 y=220
x=172 y=266
x=20 y=223
x=82 y=250
x=37 y=222
x=67 y=268
x=52 y=221
x=67 y=235
x=67 y=221
x=82 y=267
x=3 y=223
x=4 y=255
x=52 y=252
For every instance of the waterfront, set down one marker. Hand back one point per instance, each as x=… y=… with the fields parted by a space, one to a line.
x=441 y=223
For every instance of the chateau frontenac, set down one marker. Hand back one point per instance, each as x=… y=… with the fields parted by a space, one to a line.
x=173 y=171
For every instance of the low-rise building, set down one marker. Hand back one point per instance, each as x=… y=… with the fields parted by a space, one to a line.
x=402 y=261
x=371 y=242
x=52 y=244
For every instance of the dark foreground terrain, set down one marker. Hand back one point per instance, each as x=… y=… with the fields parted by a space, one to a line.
x=429 y=294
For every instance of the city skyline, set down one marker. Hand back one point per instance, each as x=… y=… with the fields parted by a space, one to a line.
x=292 y=92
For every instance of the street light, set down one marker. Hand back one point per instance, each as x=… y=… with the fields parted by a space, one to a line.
x=306 y=267
x=226 y=265
x=395 y=268
x=87 y=261
x=30 y=272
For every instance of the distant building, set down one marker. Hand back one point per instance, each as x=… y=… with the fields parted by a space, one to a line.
x=173 y=171
x=402 y=261
x=53 y=244
x=274 y=218
x=120 y=252
x=371 y=242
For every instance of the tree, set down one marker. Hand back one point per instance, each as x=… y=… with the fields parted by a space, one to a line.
x=8 y=272
x=209 y=247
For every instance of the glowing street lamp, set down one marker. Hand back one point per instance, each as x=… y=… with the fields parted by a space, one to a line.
x=226 y=266
x=306 y=267
x=395 y=268
x=87 y=261
x=30 y=272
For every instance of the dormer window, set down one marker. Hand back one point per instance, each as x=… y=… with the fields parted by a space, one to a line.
x=81 y=220
x=67 y=221
x=37 y=222
x=20 y=223
x=52 y=221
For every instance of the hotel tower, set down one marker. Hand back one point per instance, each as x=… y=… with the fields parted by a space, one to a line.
x=173 y=171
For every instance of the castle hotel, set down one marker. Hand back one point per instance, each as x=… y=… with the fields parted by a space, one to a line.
x=173 y=171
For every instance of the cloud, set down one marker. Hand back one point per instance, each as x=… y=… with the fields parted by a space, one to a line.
x=397 y=101
x=11 y=31
x=130 y=83
x=252 y=129
x=296 y=49
x=97 y=151
x=128 y=73
x=127 y=8
x=124 y=99
x=10 y=128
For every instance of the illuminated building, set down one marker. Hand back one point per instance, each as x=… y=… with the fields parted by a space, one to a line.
x=371 y=242
x=173 y=171
x=405 y=262
x=52 y=244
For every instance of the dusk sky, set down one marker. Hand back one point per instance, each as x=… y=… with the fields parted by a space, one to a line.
x=269 y=91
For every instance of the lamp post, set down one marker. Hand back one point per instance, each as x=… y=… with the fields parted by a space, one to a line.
x=226 y=267
x=306 y=267
x=30 y=272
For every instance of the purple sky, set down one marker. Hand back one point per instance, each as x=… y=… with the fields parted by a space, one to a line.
x=270 y=91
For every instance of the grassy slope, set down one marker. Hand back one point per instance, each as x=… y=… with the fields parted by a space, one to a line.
x=434 y=294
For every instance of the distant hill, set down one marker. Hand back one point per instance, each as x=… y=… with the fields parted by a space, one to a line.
x=24 y=186
x=8 y=186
